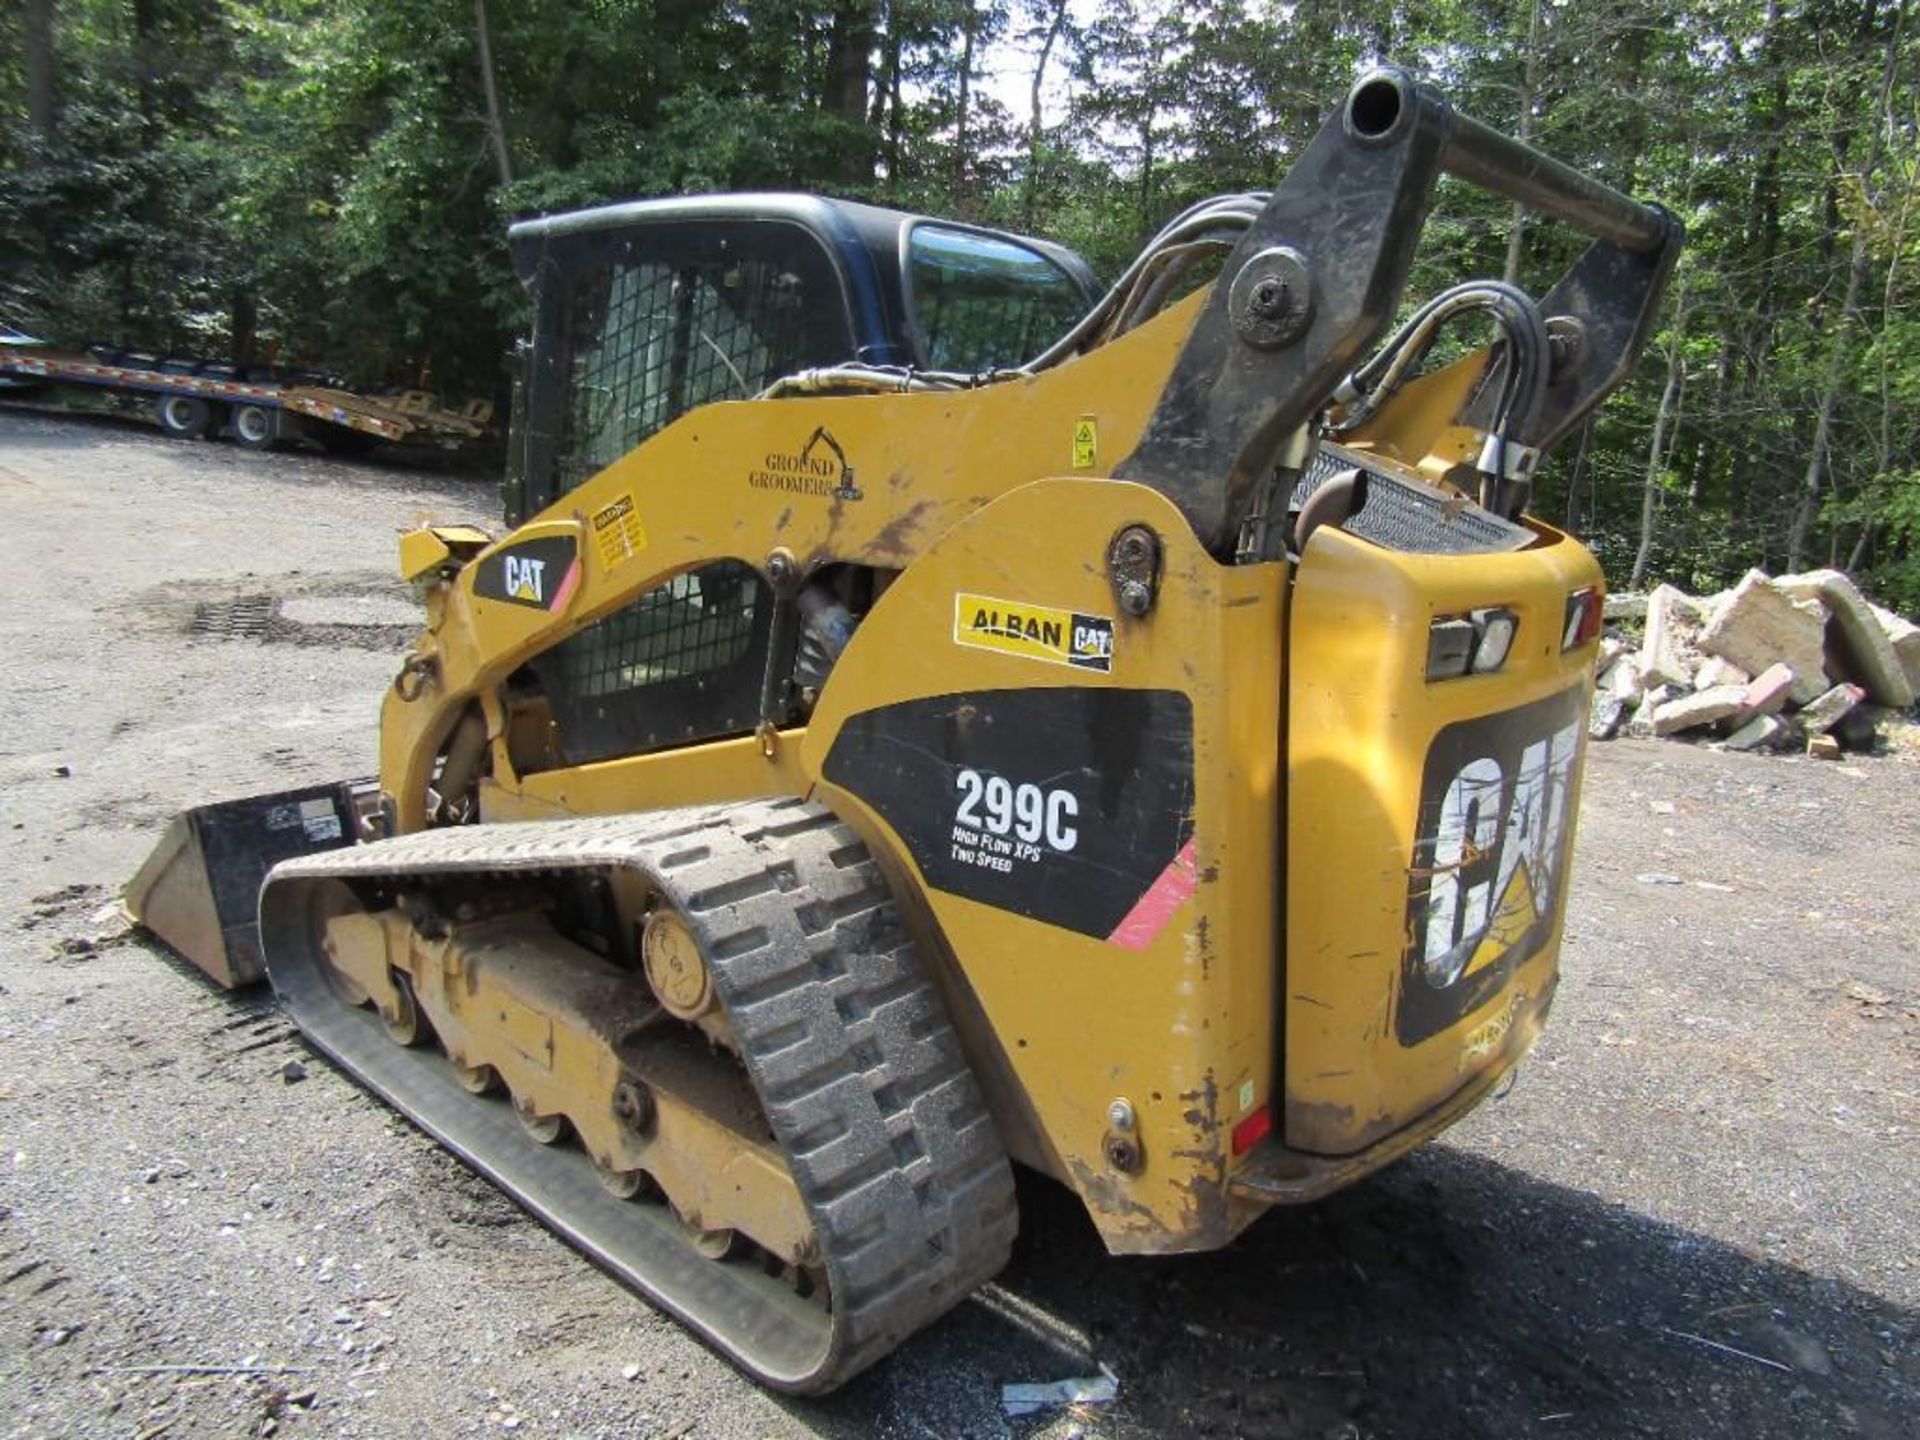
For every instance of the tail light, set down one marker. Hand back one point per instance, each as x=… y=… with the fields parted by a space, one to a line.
x=1474 y=643
x=1584 y=608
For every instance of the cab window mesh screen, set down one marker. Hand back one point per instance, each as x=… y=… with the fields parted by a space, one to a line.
x=695 y=623
x=676 y=317
x=683 y=662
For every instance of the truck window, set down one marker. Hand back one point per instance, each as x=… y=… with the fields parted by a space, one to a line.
x=983 y=301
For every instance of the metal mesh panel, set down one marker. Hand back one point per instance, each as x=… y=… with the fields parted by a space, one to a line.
x=649 y=340
x=696 y=623
x=1409 y=516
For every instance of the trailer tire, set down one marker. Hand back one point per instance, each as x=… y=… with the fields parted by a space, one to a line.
x=185 y=417
x=254 y=426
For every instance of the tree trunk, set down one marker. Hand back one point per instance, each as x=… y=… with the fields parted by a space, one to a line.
x=244 y=317
x=1146 y=173
x=886 y=96
x=1815 y=478
x=1517 y=231
x=1576 y=482
x=960 y=156
x=41 y=90
x=849 y=59
x=1657 y=446
x=1032 y=197
x=496 y=121
x=1816 y=473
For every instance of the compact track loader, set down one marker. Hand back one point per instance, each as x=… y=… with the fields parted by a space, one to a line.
x=923 y=717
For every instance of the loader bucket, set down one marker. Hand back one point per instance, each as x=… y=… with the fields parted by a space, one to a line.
x=200 y=888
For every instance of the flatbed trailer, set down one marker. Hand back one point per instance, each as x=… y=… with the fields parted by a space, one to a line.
x=195 y=400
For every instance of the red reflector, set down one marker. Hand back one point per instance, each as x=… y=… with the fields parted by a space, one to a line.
x=1252 y=1130
x=1585 y=609
x=1596 y=610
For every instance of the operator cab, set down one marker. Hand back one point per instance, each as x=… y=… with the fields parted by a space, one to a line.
x=642 y=311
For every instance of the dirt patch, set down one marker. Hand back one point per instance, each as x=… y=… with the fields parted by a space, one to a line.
x=362 y=610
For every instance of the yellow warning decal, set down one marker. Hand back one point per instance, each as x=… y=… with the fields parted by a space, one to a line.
x=1033 y=632
x=618 y=533
x=1086 y=443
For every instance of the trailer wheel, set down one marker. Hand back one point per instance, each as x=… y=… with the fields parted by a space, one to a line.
x=186 y=417
x=254 y=426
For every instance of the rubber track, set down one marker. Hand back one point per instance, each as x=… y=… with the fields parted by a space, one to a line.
x=846 y=1040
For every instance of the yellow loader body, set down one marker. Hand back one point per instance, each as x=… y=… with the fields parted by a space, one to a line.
x=1154 y=763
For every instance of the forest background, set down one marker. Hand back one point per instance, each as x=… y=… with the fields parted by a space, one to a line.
x=330 y=180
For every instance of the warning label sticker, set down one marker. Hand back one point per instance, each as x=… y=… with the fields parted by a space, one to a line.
x=617 y=532
x=1033 y=632
x=317 y=817
x=1086 y=443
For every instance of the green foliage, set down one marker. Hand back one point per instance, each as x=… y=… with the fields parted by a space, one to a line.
x=328 y=173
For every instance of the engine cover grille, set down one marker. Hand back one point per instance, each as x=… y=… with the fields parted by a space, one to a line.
x=1409 y=515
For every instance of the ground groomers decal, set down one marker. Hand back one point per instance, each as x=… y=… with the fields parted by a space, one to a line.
x=1033 y=632
x=1490 y=855
x=541 y=573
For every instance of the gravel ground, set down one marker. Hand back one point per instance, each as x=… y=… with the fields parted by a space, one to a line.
x=1714 y=1146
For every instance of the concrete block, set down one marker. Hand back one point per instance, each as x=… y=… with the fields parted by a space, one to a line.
x=1623 y=678
x=1604 y=719
x=1823 y=747
x=1766 y=694
x=1904 y=636
x=1690 y=712
x=1858 y=647
x=1670 y=650
x=1629 y=606
x=1760 y=624
x=1757 y=733
x=1825 y=711
x=1715 y=671
x=1641 y=725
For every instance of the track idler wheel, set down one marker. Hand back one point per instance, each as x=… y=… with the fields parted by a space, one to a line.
x=477 y=1079
x=621 y=1184
x=402 y=1018
x=545 y=1129
x=714 y=1244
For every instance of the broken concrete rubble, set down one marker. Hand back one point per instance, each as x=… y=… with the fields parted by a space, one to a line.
x=1703 y=707
x=1641 y=725
x=1603 y=720
x=1760 y=731
x=1670 y=652
x=1766 y=694
x=1766 y=665
x=1715 y=671
x=1858 y=648
x=1759 y=625
x=1905 y=638
x=1624 y=679
x=1825 y=712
